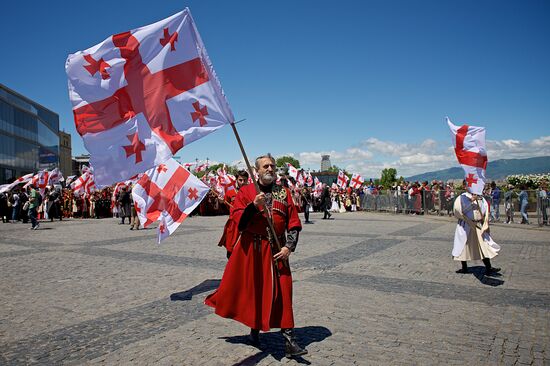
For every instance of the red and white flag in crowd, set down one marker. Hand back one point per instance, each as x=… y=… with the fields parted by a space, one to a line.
x=41 y=180
x=188 y=165
x=85 y=183
x=342 y=179
x=70 y=178
x=55 y=177
x=292 y=171
x=309 y=179
x=170 y=191
x=300 y=179
x=318 y=190
x=356 y=181
x=469 y=143
x=139 y=96
x=201 y=167
x=24 y=179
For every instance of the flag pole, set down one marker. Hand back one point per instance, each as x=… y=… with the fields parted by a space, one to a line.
x=268 y=216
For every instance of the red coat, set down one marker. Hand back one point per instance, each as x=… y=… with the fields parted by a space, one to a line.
x=251 y=291
x=230 y=230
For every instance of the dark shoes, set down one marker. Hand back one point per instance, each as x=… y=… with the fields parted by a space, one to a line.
x=292 y=349
x=492 y=271
x=254 y=337
x=462 y=271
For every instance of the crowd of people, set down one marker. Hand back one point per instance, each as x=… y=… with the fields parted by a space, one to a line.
x=415 y=198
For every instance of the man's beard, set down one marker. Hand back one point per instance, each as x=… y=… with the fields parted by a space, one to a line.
x=267 y=178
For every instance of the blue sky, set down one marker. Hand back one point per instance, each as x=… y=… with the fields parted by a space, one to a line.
x=368 y=82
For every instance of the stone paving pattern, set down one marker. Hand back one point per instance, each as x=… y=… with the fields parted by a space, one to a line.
x=369 y=289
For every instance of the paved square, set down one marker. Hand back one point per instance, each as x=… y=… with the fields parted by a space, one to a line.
x=369 y=289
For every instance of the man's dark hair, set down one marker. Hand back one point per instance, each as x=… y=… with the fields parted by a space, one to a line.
x=242 y=173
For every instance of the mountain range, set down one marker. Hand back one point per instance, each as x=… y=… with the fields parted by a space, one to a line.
x=496 y=170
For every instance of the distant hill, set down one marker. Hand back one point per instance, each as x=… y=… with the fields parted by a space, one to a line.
x=497 y=169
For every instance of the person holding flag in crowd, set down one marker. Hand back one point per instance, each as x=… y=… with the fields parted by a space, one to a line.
x=472 y=239
x=230 y=230
x=256 y=287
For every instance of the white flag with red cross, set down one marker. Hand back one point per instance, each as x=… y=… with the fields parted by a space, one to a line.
x=356 y=181
x=139 y=96
x=292 y=171
x=85 y=184
x=55 y=176
x=24 y=179
x=41 y=180
x=309 y=179
x=469 y=143
x=167 y=192
x=342 y=179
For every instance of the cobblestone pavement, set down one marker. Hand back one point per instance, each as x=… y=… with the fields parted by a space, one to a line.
x=369 y=289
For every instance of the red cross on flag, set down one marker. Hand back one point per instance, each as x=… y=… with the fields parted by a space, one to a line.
x=342 y=179
x=139 y=96
x=356 y=181
x=41 y=180
x=85 y=183
x=469 y=143
x=169 y=195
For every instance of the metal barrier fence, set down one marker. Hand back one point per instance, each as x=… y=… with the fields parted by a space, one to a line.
x=508 y=209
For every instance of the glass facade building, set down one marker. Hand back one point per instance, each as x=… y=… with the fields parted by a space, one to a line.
x=29 y=136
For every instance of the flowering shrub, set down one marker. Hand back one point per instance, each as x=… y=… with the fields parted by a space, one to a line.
x=530 y=180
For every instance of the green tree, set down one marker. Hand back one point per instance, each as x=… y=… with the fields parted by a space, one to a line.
x=389 y=176
x=334 y=169
x=281 y=161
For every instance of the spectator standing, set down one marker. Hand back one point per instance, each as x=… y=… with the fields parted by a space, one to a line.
x=495 y=202
x=15 y=207
x=509 y=205
x=4 y=212
x=543 y=202
x=523 y=202
x=125 y=205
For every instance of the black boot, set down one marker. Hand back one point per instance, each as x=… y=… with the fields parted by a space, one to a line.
x=490 y=270
x=254 y=337
x=292 y=349
x=464 y=268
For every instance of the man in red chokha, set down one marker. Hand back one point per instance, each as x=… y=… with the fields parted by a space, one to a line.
x=256 y=287
x=230 y=230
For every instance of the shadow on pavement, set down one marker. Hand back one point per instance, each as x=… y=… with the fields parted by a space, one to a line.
x=479 y=273
x=205 y=286
x=272 y=343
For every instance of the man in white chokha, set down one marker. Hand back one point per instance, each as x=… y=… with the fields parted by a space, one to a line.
x=472 y=237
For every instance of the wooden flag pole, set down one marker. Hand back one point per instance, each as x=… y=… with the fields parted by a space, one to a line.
x=266 y=212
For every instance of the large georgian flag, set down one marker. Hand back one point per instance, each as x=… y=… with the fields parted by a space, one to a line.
x=168 y=193
x=140 y=96
x=469 y=143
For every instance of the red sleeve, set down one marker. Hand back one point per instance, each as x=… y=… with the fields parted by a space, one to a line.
x=242 y=200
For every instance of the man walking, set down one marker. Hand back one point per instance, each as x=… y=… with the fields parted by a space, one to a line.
x=35 y=199
x=472 y=239
x=256 y=287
